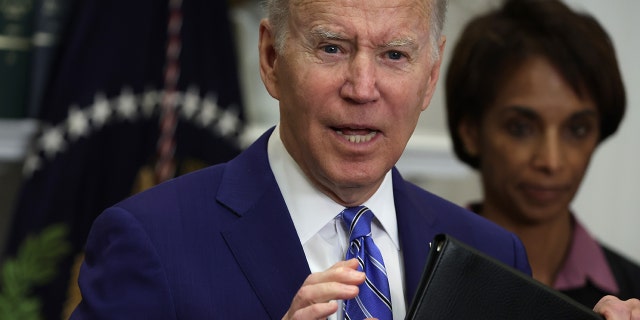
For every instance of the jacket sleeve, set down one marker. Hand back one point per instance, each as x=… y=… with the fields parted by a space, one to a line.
x=122 y=276
x=521 y=262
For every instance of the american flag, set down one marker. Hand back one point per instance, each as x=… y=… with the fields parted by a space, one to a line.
x=126 y=70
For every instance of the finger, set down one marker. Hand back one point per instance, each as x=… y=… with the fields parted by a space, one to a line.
x=340 y=282
x=342 y=272
x=613 y=308
x=635 y=308
x=322 y=293
x=607 y=307
x=314 y=311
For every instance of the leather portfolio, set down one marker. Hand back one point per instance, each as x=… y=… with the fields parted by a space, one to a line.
x=459 y=282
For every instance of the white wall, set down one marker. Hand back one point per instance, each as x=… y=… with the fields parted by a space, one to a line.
x=606 y=202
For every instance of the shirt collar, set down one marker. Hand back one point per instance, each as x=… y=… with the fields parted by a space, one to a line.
x=585 y=262
x=310 y=209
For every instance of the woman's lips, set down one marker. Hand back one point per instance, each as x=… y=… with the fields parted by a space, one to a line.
x=543 y=193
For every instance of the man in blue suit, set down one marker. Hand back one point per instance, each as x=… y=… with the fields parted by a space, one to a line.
x=261 y=237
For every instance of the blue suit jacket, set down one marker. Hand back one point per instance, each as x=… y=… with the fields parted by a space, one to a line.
x=219 y=244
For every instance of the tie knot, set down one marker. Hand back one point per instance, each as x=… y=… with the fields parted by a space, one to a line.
x=358 y=220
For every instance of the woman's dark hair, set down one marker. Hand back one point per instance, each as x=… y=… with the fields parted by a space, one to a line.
x=495 y=44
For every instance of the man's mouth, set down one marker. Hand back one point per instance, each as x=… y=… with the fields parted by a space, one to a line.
x=357 y=135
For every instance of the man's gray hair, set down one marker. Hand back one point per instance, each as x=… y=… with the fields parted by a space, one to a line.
x=278 y=15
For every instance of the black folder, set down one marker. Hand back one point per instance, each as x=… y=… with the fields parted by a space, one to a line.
x=460 y=282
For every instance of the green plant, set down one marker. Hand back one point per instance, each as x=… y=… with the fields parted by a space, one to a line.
x=35 y=264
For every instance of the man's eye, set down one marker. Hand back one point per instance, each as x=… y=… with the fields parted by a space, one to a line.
x=331 y=49
x=395 y=55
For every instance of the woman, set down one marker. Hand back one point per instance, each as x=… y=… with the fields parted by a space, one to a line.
x=532 y=89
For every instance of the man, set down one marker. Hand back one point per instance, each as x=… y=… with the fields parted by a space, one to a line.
x=262 y=236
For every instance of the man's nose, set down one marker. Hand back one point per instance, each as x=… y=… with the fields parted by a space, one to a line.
x=361 y=84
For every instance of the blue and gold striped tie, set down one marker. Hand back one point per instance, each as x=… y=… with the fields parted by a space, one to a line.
x=374 y=299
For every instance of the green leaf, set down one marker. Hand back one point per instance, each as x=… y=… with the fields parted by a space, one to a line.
x=35 y=264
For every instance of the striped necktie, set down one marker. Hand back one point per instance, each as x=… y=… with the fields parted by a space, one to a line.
x=374 y=299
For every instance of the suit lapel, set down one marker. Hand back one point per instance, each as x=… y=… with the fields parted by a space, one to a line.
x=264 y=240
x=417 y=225
x=265 y=243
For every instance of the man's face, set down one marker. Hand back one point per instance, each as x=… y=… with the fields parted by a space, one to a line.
x=352 y=80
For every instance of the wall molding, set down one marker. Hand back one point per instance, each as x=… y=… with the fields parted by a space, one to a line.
x=15 y=135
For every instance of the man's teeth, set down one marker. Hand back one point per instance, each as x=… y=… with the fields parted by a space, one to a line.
x=357 y=138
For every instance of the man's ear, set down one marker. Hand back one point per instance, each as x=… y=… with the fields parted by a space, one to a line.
x=469 y=132
x=268 y=58
x=434 y=74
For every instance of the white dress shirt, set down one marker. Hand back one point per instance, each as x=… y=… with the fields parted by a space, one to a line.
x=322 y=232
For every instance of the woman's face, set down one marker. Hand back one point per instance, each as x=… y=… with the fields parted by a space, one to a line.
x=534 y=144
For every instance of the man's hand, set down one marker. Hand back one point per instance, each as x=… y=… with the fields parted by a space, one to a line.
x=315 y=299
x=613 y=308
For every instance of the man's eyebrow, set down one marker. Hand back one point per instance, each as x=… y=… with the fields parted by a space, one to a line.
x=403 y=42
x=325 y=34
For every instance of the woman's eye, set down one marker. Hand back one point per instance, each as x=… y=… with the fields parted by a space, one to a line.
x=331 y=49
x=519 y=128
x=579 y=130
